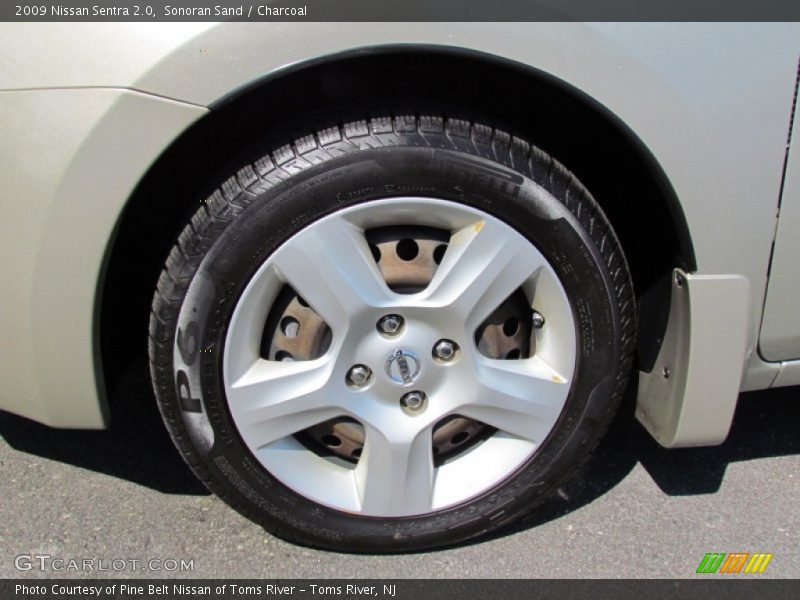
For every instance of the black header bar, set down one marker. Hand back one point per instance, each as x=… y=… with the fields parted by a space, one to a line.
x=401 y=10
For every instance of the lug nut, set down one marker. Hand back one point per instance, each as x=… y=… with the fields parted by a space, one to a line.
x=537 y=320
x=413 y=400
x=390 y=324
x=445 y=349
x=359 y=375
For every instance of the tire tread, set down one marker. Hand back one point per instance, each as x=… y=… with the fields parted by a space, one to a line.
x=235 y=193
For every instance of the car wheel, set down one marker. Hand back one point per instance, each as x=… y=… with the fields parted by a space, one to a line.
x=394 y=334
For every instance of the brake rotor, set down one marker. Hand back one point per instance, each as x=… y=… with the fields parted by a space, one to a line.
x=407 y=258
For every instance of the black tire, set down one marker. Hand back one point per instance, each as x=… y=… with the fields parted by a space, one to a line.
x=235 y=229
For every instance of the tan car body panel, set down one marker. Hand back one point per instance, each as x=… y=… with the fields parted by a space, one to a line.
x=779 y=339
x=711 y=102
x=63 y=192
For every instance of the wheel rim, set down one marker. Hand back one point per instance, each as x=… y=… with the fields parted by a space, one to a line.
x=331 y=266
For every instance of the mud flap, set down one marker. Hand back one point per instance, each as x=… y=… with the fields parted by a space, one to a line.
x=689 y=397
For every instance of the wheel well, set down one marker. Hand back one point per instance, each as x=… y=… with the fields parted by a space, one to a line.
x=604 y=154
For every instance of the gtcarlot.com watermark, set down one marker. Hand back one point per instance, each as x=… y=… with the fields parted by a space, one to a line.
x=57 y=564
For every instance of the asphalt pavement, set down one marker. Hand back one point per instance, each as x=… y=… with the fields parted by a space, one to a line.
x=635 y=510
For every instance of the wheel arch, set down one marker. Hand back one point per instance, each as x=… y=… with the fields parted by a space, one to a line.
x=565 y=122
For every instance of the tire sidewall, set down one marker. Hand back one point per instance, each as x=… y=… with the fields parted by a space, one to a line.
x=221 y=266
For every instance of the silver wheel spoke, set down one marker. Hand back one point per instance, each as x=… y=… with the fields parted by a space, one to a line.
x=278 y=399
x=331 y=267
x=520 y=397
x=395 y=474
x=382 y=465
x=482 y=267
